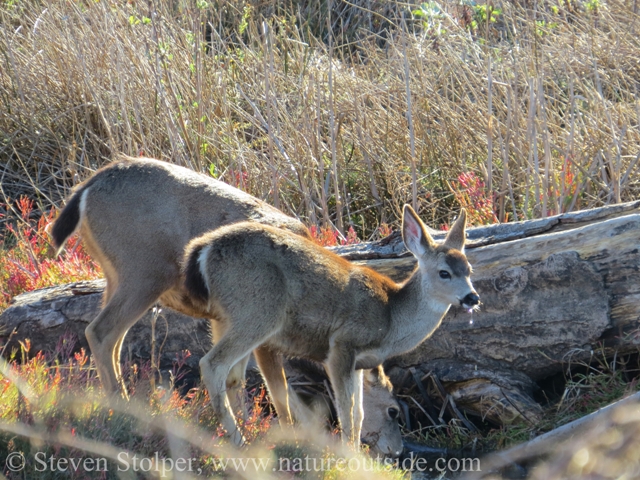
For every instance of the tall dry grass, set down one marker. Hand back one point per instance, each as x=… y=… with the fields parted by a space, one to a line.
x=539 y=100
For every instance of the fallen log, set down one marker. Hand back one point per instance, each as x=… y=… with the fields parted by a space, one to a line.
x=552 y=291
x=51 y=317
x=562 y=438
x=570 y=285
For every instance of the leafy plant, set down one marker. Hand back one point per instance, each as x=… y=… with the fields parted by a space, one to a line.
x=329 y=237
x=26 y=261
x=486 y=13
x=244 y=22
x=470 y=192
x=431 y=15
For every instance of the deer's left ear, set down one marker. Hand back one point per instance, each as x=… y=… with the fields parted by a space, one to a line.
x=456 y=236
x=374 y=376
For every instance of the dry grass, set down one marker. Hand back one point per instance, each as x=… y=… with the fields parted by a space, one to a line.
x=541 y=103
x=52 y=407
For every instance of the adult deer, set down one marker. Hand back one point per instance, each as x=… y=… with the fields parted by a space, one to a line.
x=135 y=217
x=272 y=290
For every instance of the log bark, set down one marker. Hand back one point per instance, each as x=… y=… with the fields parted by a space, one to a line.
x=552 y=291
x=545 y=300
x=611 y=417
x=54 y=319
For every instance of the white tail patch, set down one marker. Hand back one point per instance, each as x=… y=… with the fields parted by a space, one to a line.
x=83 y=205
x=202 y=266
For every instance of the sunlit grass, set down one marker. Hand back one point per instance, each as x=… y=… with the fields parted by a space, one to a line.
x=55 y=408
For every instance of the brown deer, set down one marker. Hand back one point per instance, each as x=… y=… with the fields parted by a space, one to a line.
x=135 y=217
x=274 y=291
x=380 y=427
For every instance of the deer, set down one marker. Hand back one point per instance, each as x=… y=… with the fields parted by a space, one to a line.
x=380 y=428
x=274 y=291
x=381 y=413
x=135 y=217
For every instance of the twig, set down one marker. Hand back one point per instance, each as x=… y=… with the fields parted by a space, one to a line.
x=425 y=395
x=431 y=419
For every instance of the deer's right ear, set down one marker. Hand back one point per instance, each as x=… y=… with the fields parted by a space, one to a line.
x=415 y=235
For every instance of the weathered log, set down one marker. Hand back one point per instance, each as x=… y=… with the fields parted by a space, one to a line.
x=392 y=246
x=561 y=438
x=546 y=299
x=552 y=290
x=51 y=315
x=571 y=284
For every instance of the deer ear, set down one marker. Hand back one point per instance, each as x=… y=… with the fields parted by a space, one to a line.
x=456 y=236
x=375 y=377
x=371 y=377
x=415 y=235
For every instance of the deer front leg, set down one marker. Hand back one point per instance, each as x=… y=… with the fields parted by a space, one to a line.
x=347 y=390
x=358 y=413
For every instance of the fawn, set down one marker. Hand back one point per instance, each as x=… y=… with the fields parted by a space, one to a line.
x=274 y=291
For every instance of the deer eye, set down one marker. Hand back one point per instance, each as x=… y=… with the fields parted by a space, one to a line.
x=444 y=274
x=393 y=413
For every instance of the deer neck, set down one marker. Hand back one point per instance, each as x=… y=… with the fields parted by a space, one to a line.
x=415 y=314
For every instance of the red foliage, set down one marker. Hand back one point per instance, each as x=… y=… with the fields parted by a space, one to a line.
x=384 y=231
x=470 y=193
x=567 y=187
x=328 y=237
x=26 y=261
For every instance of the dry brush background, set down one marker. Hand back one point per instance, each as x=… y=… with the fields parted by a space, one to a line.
x=338 y=119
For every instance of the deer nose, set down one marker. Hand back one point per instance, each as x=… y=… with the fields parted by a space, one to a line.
x=471 y=299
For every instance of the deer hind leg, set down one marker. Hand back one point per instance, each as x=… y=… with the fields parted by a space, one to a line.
x=106 y=332
x=235 y=388
x=215 y=366
x=346 y=384
x=236 y=377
